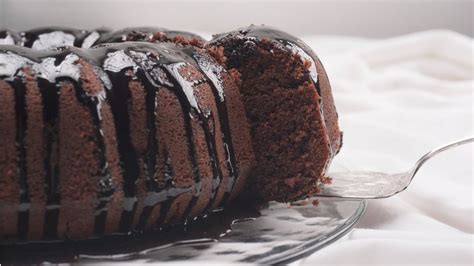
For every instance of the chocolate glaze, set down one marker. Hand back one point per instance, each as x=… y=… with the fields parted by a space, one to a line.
x=169 y=200
x=20 y=90
x=156 y=34
x=130 y=168
x=53 y=37
x=50 y=97
x=9 y=37
x=147 y=34
x=105 y=188
x=190 y=106
x=114 y=64
x=212 y=74
x=152 y=144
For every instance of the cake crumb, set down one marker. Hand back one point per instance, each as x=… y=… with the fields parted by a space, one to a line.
x=325 y=180
x=218 y=53
x=315 y=202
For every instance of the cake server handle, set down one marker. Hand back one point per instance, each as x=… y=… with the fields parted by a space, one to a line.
x=377 y=185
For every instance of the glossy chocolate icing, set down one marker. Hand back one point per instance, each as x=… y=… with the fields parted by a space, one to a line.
x=147 y=34
x=112 y=63
x=53 y=37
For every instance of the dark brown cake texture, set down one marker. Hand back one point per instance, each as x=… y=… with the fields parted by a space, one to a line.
x=136 y=135
x=290 y=108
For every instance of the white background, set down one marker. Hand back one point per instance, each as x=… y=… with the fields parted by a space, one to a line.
x=368 y=18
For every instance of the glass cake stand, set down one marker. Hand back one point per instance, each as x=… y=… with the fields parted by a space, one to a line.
x=276 y=233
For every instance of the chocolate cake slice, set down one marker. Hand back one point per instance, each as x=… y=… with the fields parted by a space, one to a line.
x=290 y=108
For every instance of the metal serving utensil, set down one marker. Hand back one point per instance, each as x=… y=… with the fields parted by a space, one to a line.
x=376 y=185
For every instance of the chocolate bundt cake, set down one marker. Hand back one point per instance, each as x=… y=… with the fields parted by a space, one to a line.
x=146 y=127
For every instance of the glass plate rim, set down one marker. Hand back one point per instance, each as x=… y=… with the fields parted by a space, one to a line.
x=310 y=247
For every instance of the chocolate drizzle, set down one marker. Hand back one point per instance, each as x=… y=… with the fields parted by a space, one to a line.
x=118 y=98
x=212 y=73
x=54 y=37
x=148 y=34
x=166 y=205
x=105 y=188
x=170 y=60
x=188 y=111
x=184 y=91
x=120 y=63
x=50 y=99
x=48 y=38
x=152 y=143
x=21 y=117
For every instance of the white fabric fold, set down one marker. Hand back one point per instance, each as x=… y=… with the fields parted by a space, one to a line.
x=397 y=99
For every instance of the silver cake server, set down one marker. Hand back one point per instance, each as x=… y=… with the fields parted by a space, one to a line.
x=376 y=185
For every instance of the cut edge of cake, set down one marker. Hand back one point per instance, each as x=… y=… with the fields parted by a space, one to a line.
x=290 y=108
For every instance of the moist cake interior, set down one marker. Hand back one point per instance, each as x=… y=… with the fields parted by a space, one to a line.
x=282 y=106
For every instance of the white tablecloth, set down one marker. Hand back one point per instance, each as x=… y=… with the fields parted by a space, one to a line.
x=398 y=98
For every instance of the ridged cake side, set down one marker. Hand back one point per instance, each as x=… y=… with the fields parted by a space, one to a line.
x=117 y=138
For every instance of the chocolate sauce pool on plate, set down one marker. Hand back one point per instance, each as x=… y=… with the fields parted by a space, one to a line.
x=277 y=233
x=203 y=230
